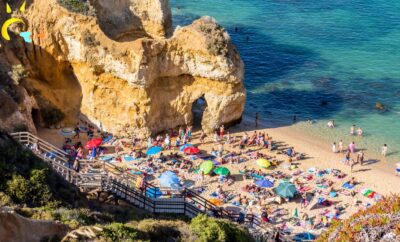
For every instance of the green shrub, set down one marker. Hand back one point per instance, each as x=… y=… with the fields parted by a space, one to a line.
x=18 y=189
x=211 y=229
x=76 y=6
x=120 y=232
x=5 y=200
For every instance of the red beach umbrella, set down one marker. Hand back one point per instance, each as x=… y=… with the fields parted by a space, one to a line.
x=93 y=143
x=191 y=150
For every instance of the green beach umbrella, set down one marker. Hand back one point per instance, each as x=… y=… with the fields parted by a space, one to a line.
x=286 y=190
x=206 y=167
x=222 y=171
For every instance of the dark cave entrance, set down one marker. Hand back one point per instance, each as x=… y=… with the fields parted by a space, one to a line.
x=37 y=118
x=198 y=108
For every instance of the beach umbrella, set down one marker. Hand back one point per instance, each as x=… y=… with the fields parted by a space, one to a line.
x=206 y=167
x=183 y=147
x=169 y=179
x=286 y=190
x=153 y=192
x=67 y=132
x=304 y=237
x=263 y=163
x=191 y=150
x=94 y=143
x=264 y=183
x=222 y=171
x=153 y=150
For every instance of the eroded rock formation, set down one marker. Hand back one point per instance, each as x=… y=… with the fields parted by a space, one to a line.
x=124 y=68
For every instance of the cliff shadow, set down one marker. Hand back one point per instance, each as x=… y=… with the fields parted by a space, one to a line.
x=52 y=83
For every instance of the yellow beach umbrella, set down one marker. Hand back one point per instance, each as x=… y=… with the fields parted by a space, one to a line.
x=264 y=163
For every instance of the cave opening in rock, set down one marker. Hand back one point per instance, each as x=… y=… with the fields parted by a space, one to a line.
x=198 y=108
x=36 y=117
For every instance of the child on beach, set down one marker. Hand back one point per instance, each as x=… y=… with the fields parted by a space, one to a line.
x=352 y=147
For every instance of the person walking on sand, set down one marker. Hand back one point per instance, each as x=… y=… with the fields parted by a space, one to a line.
x=221 y=131
x=384 y=150
x=351 y=165
x=341 y=146
x=398 y=169
x=359 y=132
x=352 y=129
x=334 y=147
x=360 y=157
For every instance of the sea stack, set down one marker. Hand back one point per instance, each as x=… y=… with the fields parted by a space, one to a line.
x=119 y=64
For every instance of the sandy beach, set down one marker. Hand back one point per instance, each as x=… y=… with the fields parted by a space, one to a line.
x=376 y=176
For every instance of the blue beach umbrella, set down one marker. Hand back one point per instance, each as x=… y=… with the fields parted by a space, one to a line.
x=183 y=147
x=154 y=150
x=153 y=192
x=304 y=237
x=264 y=183
x=169 y=179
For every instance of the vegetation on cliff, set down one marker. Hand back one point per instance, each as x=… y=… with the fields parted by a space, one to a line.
x=380 y=222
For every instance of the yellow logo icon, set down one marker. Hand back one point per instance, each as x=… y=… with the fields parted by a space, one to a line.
x=4 y=29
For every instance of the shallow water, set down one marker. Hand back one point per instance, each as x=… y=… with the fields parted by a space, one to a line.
x=343 y=54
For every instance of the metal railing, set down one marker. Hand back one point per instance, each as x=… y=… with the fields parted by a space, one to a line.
x=122 y=184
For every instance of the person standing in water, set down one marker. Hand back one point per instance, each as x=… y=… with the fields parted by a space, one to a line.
x=359 y=132
x=352 y=129
x=384 y=150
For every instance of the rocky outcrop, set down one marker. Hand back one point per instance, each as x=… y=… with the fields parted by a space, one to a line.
x=132 y=79
x=14 y=227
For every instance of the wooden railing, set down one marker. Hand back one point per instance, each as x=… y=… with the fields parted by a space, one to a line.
x=122 y=184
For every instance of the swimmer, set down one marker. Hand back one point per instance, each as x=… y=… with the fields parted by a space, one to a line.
x=331 y=124
x=359 y=132
x=352 y=129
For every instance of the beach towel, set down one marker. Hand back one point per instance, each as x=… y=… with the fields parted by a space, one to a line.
x=129 y=158
x=106 y=157
x=255 y=176
x=348 y=186
x=311 y=170
x=332 y=194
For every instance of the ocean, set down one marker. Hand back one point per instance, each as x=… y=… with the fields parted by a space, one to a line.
x=319 y=60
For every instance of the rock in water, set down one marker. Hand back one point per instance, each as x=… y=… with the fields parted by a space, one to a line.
x=380 y=106
x=125 y=69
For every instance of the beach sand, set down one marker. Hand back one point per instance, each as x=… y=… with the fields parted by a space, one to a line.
x=377 y=176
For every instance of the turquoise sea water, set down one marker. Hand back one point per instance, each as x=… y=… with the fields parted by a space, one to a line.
x=300 y=53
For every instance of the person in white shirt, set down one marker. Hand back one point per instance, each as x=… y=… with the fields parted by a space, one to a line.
x=384 y=150
x=334 y=147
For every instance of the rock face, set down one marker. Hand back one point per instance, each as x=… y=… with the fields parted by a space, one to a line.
x=15 y=228
x=124 y=70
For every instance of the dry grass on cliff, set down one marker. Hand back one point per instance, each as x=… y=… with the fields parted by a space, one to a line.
x=217 y=42
x=380 y=222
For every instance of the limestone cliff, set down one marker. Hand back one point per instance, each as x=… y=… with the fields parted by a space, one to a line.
x=124 y=68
